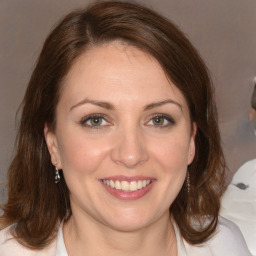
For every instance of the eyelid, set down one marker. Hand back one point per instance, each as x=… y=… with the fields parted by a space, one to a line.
x=97 y=115
x=169 y=118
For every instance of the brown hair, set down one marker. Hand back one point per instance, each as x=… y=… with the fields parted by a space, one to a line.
x=35 y=203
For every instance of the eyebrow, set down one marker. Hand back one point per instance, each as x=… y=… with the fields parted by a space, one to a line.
x=101 y=104
x=161 y=103
x=109 y=106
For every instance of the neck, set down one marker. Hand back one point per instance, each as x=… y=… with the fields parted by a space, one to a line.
x=85 y=237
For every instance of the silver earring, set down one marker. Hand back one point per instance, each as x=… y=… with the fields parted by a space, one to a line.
x=57 y=174
x=188 y=182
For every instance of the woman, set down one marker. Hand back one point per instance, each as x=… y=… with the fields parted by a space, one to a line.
x=118 y=148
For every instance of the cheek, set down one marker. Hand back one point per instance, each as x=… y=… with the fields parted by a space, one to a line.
x=171 y=162
x=172 y=153
x=80 y=154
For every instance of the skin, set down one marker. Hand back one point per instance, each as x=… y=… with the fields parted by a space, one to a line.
x=252 y=118
x=129 y=140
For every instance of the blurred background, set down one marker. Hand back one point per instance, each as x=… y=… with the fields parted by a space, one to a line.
x=222 y=30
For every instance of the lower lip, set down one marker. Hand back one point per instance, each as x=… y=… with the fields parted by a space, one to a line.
x=133 y=195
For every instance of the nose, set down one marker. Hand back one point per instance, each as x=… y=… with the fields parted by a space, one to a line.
x=129 y=149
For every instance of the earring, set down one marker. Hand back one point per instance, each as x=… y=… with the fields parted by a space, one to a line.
x=188 y=182
x=57 y=174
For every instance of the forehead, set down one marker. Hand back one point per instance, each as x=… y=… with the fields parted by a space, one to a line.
x=117 y=70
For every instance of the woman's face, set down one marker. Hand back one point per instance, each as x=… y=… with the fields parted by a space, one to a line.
x=123 y=137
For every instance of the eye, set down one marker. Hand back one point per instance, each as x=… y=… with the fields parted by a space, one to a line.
x=161 y=120
x=94 y=121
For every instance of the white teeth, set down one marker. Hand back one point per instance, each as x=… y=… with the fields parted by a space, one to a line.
x=133 y=186
x=112 y=184
x=139 y=184
x=126 y=185
x=118 y=185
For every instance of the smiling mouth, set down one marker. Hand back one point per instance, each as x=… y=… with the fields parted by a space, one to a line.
x=127 y=186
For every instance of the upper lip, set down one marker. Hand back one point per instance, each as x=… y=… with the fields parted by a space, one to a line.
x=128 y=178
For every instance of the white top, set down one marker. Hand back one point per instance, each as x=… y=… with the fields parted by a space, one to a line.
x=228 y=240
x=238 y=204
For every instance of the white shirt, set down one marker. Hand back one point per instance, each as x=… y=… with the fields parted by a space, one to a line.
x=238 y=204
x=228 y=241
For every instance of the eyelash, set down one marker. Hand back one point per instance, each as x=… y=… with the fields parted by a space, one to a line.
x=167 y=118
x=88 y=118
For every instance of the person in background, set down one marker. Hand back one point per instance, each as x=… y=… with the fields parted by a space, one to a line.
x=252 y=112
x=118 y=149
x=239 y=201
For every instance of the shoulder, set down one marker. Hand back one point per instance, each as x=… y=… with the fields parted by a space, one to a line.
x=227 y=240
x=10 y=246
x=229 y=236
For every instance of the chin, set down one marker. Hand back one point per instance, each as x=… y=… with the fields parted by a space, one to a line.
x=133 y=225
x=131 y=220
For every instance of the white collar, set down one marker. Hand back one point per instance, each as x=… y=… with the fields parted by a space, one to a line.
x=61 y=248
x=180 y=243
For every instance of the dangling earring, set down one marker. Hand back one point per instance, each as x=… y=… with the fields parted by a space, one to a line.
x=188 y=182
x=57 y=174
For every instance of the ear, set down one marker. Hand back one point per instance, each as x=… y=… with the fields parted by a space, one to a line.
x=192 y=144
x=52 y=146
x=252 y=114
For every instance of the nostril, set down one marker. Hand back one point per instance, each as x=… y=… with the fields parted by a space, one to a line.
x=129 y=151
x=241 y=186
